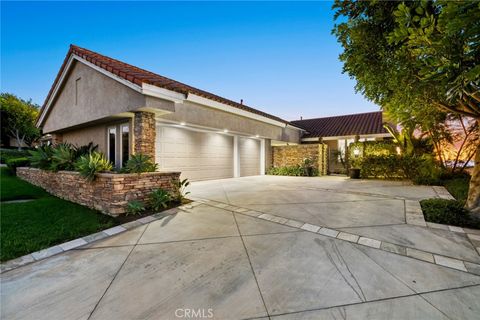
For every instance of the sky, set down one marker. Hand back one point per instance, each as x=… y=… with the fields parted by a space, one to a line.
x=279 y=57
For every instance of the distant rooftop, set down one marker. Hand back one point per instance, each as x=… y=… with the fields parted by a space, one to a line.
x=346 y=125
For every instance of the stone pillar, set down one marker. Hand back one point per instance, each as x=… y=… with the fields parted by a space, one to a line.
x=144 y=133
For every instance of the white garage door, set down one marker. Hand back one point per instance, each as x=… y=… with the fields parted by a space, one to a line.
x=198 y=155
x=249 y=151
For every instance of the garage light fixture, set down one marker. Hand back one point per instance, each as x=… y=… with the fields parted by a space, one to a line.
x=257 y=136
x=225 y=130
x=182 y=123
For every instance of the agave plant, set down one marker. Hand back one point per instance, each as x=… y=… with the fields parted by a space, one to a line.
x=85 y=149
x=63 y=157
x=159 y=199
x=139 y=163
x=41 y=157
x=91 y=164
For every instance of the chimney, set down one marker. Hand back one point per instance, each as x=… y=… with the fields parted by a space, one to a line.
x=301 y=118
x=241 y=101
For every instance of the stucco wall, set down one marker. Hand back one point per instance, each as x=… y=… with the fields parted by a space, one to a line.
x=96 y=134
x=97 y=97
x=196 y=114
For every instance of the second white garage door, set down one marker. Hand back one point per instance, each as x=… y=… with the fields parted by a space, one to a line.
x=198 y=155
x=249 y=152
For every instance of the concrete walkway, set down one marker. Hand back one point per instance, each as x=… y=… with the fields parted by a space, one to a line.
x=225 y=258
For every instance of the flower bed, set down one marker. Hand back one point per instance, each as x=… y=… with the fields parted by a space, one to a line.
x=108 y=193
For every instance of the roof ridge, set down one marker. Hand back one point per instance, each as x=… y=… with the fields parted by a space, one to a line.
x=339 y=116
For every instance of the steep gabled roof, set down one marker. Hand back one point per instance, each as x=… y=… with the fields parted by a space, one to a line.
x=346 y=125
x=140 y=76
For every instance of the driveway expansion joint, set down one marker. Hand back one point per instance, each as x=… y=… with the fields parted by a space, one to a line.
x=77 y=243
x=425 y=256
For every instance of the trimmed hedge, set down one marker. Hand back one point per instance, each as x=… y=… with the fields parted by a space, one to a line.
x=449 y=212
x=419 y=169
x=293 y=171
x=13 y=163
x=6 y=154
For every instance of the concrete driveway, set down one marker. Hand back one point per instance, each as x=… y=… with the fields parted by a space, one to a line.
x=265 y=247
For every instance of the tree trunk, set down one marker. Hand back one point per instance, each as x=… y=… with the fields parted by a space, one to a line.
x=473 y=200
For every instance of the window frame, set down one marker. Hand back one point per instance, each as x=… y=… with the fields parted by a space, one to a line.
x=120 y=149
x=109 y=128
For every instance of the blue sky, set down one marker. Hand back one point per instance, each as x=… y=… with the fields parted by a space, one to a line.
x=278 y=57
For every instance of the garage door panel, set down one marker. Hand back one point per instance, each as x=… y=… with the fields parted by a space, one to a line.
x=198 y=155
x=249 y=150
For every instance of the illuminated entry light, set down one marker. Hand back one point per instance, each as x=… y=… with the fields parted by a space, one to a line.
x=182 y=123
x=225 y=130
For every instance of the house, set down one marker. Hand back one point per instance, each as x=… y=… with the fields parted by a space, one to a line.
x=127 y=110
x=339 y=131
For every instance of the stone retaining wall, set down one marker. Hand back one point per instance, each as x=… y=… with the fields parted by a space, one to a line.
x=286 y=156
x=108 y=193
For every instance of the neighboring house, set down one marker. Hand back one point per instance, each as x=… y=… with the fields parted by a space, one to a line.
x=339 y=131
x=127 y=110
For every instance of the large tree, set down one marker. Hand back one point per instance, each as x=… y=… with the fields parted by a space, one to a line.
x=415 y=57
x=18 y=119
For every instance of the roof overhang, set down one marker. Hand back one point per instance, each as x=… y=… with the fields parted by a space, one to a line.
x=373 y=135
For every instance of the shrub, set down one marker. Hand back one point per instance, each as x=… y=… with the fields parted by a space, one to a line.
x=13 y=163
x=135 y=207
x=41 y=157
x=420 y=169
x=304 y=169
x=6 y=154
x=85 y=149
x=63 y=157
x=179 y=190
x=91 y=164
x=159 y=199
x=446 y=212
x=286 y=171
x=139 y=163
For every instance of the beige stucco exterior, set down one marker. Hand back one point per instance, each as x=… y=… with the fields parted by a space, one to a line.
x=87 y=96
x=199 y=115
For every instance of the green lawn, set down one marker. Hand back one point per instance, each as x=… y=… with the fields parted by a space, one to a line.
x=41 y=223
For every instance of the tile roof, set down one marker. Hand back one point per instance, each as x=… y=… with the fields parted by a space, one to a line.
x=138 y=76
x=346 y=125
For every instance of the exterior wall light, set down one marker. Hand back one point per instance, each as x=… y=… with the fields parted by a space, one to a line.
x=225 y=130
x=356 y=152
x=182 y=123
x=399 y=151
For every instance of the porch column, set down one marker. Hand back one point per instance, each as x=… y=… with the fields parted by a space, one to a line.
x=144 y=133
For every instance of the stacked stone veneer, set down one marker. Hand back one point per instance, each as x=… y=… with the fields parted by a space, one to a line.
x=144 y=133
x=108 y=193
x=286 y=156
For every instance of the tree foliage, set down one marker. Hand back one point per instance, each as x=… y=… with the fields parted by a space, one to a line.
x=18 y=119
x=418 y=60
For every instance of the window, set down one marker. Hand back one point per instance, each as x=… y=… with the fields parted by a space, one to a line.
x=118 y=148
x=125 y=142
x=112 y=145
x=77 y=84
